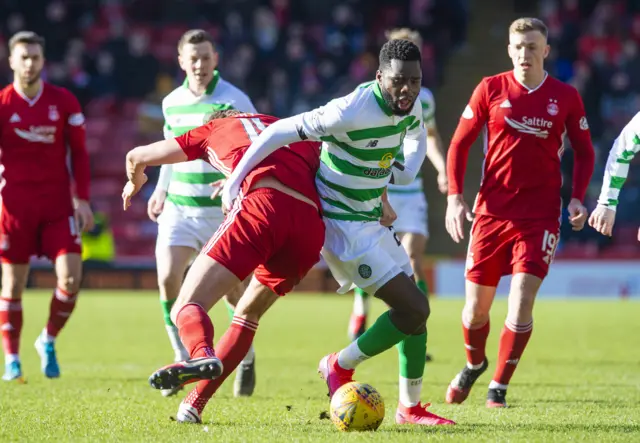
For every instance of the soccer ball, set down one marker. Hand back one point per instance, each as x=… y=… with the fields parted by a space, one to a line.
x=357 y=407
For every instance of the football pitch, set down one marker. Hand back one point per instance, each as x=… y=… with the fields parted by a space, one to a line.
x=579 y=379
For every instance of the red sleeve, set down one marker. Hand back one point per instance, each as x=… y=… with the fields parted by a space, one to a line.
x=76 y=137
x=471 y=122
x=194 y=143
x=584 y=155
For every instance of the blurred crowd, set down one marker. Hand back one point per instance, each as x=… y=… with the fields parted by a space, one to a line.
x=287 y=55
x=595 y=47
x=119 y=58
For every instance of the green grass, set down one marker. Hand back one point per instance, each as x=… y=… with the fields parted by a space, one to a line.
x=579 y=378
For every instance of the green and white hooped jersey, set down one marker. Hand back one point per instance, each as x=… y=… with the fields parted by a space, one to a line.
x=625 y=147
x=188 y=191
x=361 y=140
x=428 y=105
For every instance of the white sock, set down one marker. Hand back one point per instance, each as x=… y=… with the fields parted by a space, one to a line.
x=248 y=359
x=410 y=389
x=46 y=337
x=351 y=356
x=361 y=304
x=496 y=385
x=478 y=366
x=10 y=358
x=176 y=343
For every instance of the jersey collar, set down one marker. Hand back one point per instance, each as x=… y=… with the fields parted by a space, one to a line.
x=30 y=101
x=377 y=93
x=211 y=86
x=530 y=90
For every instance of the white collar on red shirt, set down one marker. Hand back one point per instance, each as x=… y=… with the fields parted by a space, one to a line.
x=546 y=74
x=31 y=101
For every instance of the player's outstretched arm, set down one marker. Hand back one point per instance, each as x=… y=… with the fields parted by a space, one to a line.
x=624 y=149
x=155 y=154
x=275 y=136
x=435 y=154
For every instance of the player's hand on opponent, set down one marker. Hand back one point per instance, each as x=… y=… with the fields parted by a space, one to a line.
x=457 y=212
x=388 y=214
x=602 y=220
x=133 y=186
x=229 y=193
x=443 y=183
x=577 y=214
x=155 y=205
x=218 y=186
x=83 y=215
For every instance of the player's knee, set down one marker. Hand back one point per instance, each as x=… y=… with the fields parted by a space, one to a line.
x=252 y=311
x=415 y=256
x=169 y=282
x=12 y=290
x=69 y=283
x=417 y=313
x=474 y=315
x=521 y=309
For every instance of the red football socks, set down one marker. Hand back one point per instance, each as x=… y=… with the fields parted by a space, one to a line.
x=475 y=341
x=231 y=349
x=11 y=324
x=513 y=340
x=62 y=304
x=196 y=330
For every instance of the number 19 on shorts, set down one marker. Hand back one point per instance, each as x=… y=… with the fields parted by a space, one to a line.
x=549 y=245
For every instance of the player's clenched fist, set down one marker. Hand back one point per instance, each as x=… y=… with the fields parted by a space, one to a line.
x=155 y=205
x=388 y=214
x=577 y=214
x=457 y=212
x=602 y=220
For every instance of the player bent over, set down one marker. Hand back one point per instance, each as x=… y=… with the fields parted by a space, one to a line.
x=624 y=149
x=525 y=113
x=274 y=228
x=39 y=125
x=181 y=203
x=362 y=135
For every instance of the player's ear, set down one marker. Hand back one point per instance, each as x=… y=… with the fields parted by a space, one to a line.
x=379 y=76
x=216 y=59
x=547 y=49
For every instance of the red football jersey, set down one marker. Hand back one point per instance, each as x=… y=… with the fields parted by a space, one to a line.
x=35 y=135
x=523 y=145
x=223 y=142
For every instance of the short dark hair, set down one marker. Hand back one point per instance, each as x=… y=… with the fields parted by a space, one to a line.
x=27 y=37
x=195 y=36
x=398 y=50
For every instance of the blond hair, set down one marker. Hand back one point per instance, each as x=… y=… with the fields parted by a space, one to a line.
x=404 y=34
x=526 y=24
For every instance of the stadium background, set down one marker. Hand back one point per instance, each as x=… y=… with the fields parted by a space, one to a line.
x=119 y=58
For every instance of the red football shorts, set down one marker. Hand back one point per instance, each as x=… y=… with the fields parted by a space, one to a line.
x=499 y=247
x=272 y=233
x=42 y=227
